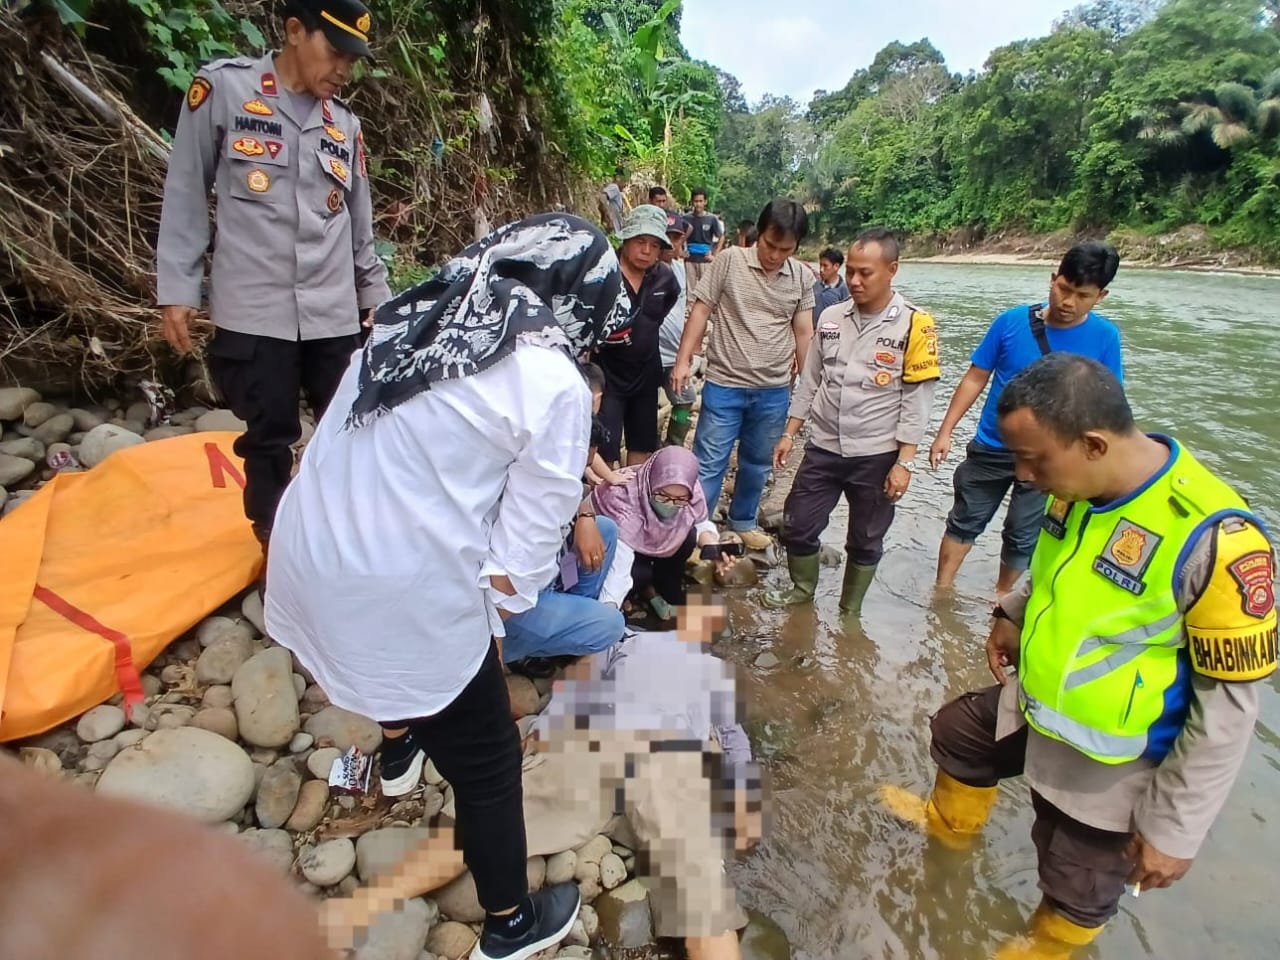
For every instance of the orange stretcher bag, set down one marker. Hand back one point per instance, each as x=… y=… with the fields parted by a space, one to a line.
x=103 y=569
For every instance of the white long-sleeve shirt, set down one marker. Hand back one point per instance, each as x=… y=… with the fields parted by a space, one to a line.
x=385 y=541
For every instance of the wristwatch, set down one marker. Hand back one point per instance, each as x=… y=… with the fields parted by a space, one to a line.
x=908 y=465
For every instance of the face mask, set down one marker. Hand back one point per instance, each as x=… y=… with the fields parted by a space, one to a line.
x=665 y=511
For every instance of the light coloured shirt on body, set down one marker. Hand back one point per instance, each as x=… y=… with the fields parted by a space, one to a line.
x=293 y=253
x=1172 y=803
x=673 y=326
x=385 y=541
x=752 y=342
x=852 y=391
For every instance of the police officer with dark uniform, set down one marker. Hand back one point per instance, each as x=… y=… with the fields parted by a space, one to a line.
x=294 y=270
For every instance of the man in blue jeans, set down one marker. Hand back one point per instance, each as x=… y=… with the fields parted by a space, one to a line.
x=763 y=301
x=1016 y=339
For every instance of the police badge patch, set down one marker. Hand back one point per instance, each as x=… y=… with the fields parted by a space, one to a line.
x=1127 y=555
x=198 y=93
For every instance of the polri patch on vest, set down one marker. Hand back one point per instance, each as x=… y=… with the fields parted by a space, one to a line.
x=1253 y=575
x=1054 y=521
x=1127 y=555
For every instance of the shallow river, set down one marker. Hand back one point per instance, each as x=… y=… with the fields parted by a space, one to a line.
x=843 y=712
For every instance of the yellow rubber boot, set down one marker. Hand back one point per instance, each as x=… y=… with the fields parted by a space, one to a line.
x=1052 y=937
x=955 y=813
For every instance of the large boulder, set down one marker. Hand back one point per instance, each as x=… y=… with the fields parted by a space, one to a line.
x=104 y=440
x=186 y=769
x=265 y=700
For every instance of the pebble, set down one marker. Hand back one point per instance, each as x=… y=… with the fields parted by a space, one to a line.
x=458 y=900
x=574 y=951
x=301 y=742
x=328 y=863
x=86 y=420
x=100 y=723
x=219 y=662
x=299 y=685
x=104 y=750
x=340 y=728
x=14 y=470
x=536 y=872
x=400 y=935
x=151 y=685
x=220 y=420
x=451 y=940
x=169 y=716
x=561 y=867
x=189 y=770
x=309 y=810
x=612 y=871
x=213 y=629
x=173 y=674
x=219 y=720
x=594 y=849
x=277 y=794
x=379 y=850
x=743 y=573
x=251 y=610
x=577 y=935
x=139 y=410
x=55 y=429
x=524 y=696
x=590 y=921
x=265 y=702
x=766 y=660
x=275 y=846
x=314 y=699
x=39 y=758
x=15 y=400
x=29 y=448
x=104 y=440
x=38 y=412
x=829 y=556
x=763 y=939
x=430 y=774
x=127 y=738
x=624 y=915
x=218 y=696
x=321 y=762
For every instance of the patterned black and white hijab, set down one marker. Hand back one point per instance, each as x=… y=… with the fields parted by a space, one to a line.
x=552 y=278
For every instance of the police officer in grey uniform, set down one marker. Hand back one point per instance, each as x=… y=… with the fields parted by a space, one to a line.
x=294 y=270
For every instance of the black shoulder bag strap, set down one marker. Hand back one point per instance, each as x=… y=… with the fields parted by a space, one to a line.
x=1036 y=316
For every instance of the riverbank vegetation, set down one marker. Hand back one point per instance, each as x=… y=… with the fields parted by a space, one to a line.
x=1139 y=118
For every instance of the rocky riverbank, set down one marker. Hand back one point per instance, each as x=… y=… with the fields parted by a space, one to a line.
x=234 y=732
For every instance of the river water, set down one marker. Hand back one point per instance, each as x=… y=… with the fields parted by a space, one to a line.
x=844 y=711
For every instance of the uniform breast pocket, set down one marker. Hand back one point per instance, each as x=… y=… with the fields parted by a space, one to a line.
x=884 y=370
x=255 y=182
x=335 y=184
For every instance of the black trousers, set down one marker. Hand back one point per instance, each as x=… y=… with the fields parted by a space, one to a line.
x=261 y=379
x=823 y=476
x=476 y=747
x=1082 y=869
x=665 y=574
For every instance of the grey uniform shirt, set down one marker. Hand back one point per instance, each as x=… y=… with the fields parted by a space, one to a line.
x=293 y=255
x=1173 y=803
x=851 y=390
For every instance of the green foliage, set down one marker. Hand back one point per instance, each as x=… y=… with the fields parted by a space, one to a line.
x=181 y=34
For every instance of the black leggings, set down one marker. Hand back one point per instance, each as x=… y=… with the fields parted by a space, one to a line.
x=665 y=574
x=476 y=747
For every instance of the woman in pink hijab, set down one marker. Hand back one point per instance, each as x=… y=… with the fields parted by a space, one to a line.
x=661 y=516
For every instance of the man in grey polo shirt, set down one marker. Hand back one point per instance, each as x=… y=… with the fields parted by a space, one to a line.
x=763 y=300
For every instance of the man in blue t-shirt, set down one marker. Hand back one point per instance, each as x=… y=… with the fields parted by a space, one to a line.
x=1016 y=339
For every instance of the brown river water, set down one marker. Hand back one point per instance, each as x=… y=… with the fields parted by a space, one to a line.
x=846 y=710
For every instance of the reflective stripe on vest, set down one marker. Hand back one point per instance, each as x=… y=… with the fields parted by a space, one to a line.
x=1102 y=666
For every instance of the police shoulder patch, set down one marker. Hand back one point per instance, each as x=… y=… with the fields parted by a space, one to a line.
x=198 y=93
x=1231 y=628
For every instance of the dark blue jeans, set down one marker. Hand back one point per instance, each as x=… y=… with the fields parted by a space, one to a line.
x=753 y=418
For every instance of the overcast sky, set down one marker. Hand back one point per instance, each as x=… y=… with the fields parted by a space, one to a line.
x=774 y=47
